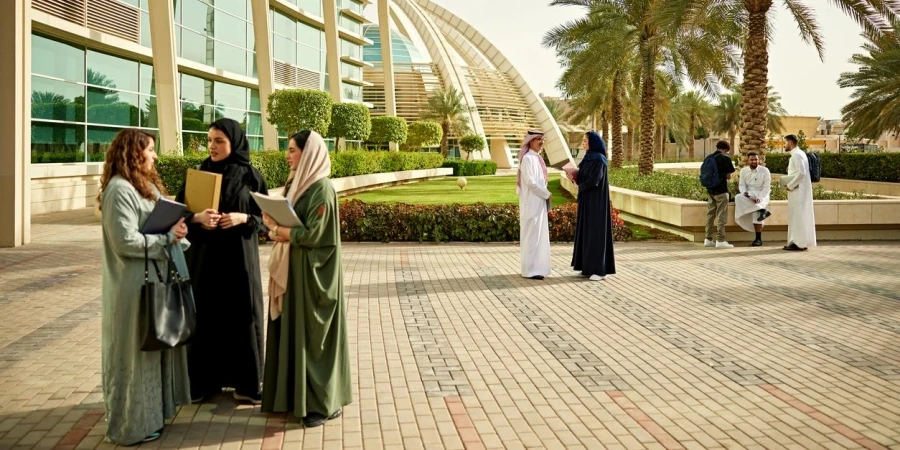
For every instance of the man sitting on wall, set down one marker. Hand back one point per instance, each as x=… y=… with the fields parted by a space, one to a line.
x=750 y=206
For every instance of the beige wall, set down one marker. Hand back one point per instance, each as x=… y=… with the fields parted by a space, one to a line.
x=793 y=125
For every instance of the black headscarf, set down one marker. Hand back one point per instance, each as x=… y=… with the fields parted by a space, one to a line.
x=235 y=169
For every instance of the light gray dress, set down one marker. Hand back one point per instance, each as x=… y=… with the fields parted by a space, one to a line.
x=140 y=389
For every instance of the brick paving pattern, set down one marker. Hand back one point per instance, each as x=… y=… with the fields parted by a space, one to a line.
x=686 y=347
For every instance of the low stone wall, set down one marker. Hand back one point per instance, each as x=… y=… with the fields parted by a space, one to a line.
x=835 y=219
x=361 y=183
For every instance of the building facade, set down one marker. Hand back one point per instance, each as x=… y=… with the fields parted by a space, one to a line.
x=76 y=72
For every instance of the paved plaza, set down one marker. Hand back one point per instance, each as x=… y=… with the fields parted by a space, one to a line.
x=685 y=347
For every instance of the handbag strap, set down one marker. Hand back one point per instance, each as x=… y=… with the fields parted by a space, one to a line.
x=147 y=262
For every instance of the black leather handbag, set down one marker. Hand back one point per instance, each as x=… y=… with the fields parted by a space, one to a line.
x=168 y=316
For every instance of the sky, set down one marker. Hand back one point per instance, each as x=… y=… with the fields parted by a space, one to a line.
x=807 y=85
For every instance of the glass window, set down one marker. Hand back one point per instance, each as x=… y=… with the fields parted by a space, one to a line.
x=284 y=25
x=55 y=59
x=311 y=6
x=196 y=117
x=230 y=58
x=196 y=89
x=197 y=16
x=255 y=124
x=351 y=71
x=56 y=100
x=231 y=113
x=236 y=7
x=98 y=140
x=231 y=96
x=147 y=83
x=197 y=48
x=231 y=29
x=56 y=142
x=145 y=30
x=351 y=92
x=284 y=49
x=112 y=108
x=110 y=71
x=309 y=35
x=349 y=49
x=134 y=3
x=351 y=24
x=178 y=40
x=310 y=58
x=149 y=112
x=254 y=100
x=256 y=143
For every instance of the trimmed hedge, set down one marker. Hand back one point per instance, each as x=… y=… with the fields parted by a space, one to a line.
x=471 y=168
x=399 y=222
x=350 y=121
x=271 y=163
x=422 y=133
x=387 y=129
x=850 y=166
x=292 y=110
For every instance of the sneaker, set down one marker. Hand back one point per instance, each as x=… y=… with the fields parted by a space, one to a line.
x=255 y=399
x=709 y=243
x=598 y=277
x=723 y=244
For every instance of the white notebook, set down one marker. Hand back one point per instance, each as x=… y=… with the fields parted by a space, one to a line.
x=278 y=208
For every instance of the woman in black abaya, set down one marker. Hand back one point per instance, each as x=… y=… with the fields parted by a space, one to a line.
x=593 y=254
x=227 y=349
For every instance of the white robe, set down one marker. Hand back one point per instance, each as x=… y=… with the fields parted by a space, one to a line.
x=534 y=227
x=758 y=183
x=801 y=217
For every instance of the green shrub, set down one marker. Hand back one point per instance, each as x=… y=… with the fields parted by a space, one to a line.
x=471 y=143
x=350 y=121
x=292 y=110
x=399 y=222
x=352 y=163
x=386 y=129
x=471 y=168
x=689 y=187
x=173 y=169
x=273 y=167
x=851 y=166
x=422 y=133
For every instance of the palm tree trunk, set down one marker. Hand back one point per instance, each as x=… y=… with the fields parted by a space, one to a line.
x=660 y=142
x=648 y=105
x=691 y=140
x=629 y=144
x=604 y=126
x=731 y=137
x=754 y=102
x=617 y=124
x=445 y=141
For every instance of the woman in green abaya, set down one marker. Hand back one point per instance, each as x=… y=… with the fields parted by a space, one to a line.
x=307 y=370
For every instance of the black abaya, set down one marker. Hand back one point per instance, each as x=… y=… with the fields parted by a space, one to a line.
x=593 y=254
x=227 y=349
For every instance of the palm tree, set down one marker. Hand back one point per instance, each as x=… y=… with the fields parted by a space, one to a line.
x=698 y=111
x=727 y=115
x=875 y=16
x=554 y=107
x=447 y=107
x=874 y=108
x=701 y=53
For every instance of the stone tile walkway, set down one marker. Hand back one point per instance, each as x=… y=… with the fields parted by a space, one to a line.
x=686 y=347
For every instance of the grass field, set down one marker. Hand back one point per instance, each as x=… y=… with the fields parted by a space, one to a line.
x=486 y=189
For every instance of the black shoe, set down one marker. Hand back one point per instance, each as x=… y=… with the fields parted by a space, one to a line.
x=794 y=248
x=536 y=277
x=763 y=215
x=756 y=243
x=254 y=399
x=315 y=419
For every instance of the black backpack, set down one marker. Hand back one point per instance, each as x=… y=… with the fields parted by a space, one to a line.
x=815 y=169
x=709 y=172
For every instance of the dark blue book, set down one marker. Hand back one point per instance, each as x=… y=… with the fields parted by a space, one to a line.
x=165 y=214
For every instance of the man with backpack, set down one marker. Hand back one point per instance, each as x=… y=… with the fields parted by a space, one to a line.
x=715 y=172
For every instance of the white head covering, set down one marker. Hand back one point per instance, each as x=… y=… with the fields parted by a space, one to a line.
x=314 y=165
x=532 y=135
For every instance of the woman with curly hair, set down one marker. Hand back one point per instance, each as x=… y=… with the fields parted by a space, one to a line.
x=140 y=389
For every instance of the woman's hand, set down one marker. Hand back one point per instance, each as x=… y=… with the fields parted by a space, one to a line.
x=234 y=219
x=268 y=221
x=208 y=219
x=180 y=230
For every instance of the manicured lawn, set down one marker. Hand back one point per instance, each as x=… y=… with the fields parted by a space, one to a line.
x=486 y=189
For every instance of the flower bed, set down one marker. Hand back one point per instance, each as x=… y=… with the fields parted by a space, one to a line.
x=399 y=222
x=274 y=168
x=689 y=187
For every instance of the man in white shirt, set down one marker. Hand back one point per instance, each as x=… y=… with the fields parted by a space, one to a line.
x=534 y=200
x=750 y=206
x=801 y=216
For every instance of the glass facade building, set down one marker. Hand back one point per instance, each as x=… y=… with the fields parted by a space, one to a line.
x=85 y=91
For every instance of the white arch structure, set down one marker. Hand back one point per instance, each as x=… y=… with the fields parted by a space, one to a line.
x=485 y=83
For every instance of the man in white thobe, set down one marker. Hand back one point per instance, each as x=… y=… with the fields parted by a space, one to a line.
x=534 y=200
x=801 y=218
x=750 y=205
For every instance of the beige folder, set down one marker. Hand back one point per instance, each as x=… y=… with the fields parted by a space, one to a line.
x=202 y=190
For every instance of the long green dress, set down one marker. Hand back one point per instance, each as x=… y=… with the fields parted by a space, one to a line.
x=140 y=389
x=307 y=353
